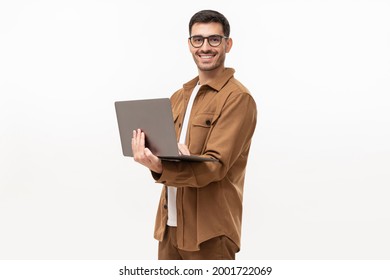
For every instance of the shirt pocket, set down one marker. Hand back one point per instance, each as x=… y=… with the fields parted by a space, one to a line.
x=199 y=129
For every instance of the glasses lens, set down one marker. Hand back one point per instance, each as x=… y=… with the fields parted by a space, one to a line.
x=197 y=41
x=215 y=41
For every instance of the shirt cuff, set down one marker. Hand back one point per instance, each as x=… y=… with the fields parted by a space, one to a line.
x=156 y=176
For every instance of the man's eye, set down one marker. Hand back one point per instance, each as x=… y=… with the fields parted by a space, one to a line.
x=214 y=39
x=197 y=39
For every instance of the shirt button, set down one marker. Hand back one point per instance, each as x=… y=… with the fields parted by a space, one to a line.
x=208 y=122
x=165 y=206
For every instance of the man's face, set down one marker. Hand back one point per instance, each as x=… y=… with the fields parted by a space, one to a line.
x=206 y=57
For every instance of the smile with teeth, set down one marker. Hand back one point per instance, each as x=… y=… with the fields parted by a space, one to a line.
x=206 y=56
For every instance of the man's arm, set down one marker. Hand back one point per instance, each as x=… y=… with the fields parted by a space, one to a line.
x=230 y=137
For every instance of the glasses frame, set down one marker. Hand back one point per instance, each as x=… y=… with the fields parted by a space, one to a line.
x=203 y=39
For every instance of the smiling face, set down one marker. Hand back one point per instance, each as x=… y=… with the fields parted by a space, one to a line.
x=209 y=58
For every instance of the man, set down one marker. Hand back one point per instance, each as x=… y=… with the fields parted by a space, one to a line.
x=200 y=211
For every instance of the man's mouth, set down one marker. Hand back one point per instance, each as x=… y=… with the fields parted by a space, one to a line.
x=206 y=56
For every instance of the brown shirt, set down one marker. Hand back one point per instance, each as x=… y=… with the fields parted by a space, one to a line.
x=209 y=194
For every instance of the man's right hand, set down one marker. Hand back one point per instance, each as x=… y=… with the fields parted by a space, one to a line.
x=143 y=155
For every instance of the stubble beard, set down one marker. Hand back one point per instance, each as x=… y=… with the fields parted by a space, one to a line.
x=208 y=67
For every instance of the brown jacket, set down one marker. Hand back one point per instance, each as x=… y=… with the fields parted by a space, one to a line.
x=209 y=194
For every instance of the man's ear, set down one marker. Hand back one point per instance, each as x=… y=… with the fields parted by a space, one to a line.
x=229 y=44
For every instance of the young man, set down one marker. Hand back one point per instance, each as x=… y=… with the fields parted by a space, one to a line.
x=200 y=211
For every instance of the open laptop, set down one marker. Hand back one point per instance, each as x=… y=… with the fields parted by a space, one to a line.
x=154 y=118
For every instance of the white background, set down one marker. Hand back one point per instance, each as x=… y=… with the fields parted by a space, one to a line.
x=317 y=184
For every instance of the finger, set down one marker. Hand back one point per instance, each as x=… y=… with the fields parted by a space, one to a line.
x=138 y=149
x=152 y=158
x=154 y=162
x=139 y=146
x=137 y=137
x=183 y=149
x=180 y=148
x=142 y=140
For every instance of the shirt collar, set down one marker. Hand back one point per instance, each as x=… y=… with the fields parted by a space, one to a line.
x=217 y=83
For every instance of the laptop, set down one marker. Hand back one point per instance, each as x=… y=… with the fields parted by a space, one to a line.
x=154 y=118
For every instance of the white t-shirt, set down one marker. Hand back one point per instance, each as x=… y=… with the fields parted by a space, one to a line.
x=172 y=210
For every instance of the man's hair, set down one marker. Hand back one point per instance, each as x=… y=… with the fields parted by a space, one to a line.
x=207 y=16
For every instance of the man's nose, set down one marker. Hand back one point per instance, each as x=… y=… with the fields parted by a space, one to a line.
x=206 y=45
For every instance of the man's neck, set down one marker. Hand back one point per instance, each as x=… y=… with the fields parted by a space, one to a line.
x=206 y=76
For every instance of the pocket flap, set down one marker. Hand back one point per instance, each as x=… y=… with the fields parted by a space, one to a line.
x=203 y=120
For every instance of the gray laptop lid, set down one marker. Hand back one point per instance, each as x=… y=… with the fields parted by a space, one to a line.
x=154 y=118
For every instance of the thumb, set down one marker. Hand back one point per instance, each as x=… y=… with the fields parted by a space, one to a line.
x=149 y=154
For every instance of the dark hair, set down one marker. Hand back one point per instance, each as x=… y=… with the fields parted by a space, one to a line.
x=207 y=16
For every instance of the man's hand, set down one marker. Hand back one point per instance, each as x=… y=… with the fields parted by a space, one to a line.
x=143 y=155
x=183 y=149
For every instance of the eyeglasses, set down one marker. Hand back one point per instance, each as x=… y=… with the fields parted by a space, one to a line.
x=213 y=40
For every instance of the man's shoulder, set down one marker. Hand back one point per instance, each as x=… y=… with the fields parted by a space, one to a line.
x=236 y=86
x=177 y=95
x=235 y=89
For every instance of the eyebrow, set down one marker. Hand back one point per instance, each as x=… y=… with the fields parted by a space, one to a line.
x=198 y=35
